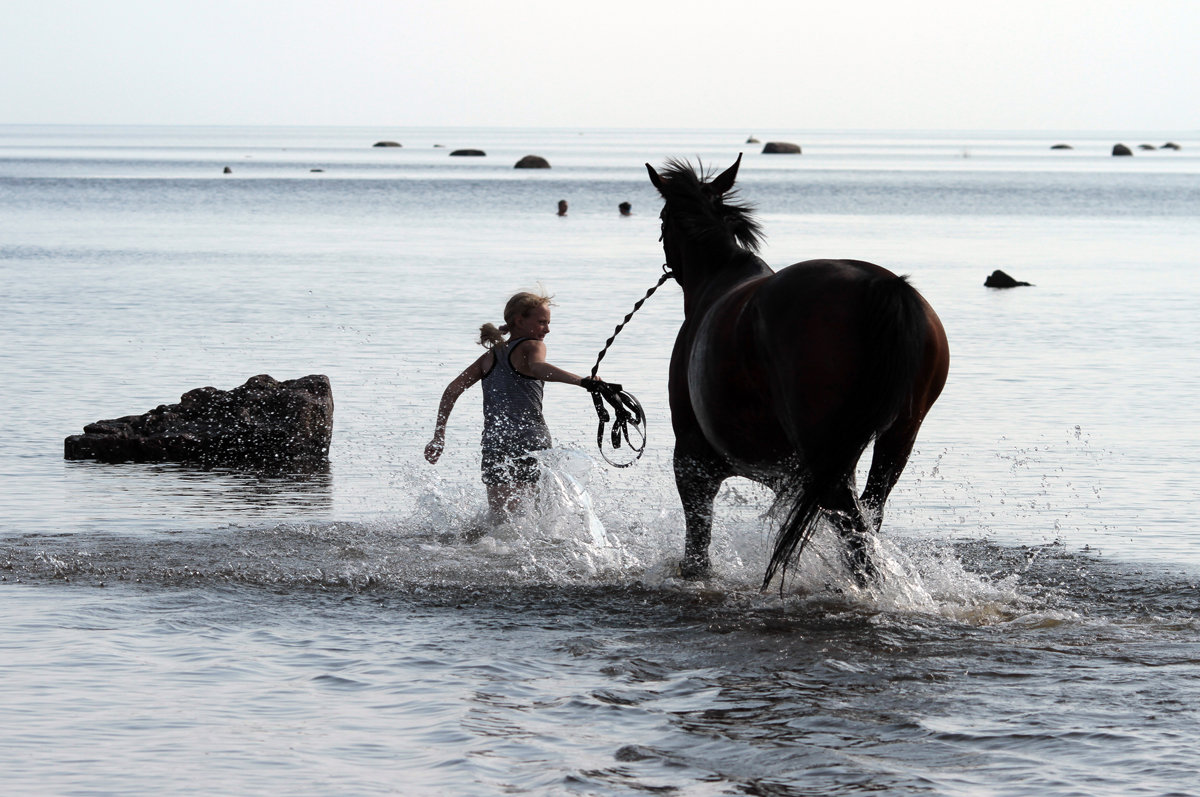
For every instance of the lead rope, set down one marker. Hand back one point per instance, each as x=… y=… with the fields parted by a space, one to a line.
x=628 y=410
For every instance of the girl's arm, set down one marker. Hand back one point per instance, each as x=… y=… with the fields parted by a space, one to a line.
x=460 y=383
x=530 y=359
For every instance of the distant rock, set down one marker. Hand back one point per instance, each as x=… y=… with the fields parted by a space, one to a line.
x=1120 y=150
x=999 y=279
x=1171 y=145
x=1062 y=146
x=752 y=140
x=1147 y=147
x=469 y=153
x=316 y=171
x=264 y=425
x=386 y=144
x=227 y=170
x=781 y=148
x=532 y=162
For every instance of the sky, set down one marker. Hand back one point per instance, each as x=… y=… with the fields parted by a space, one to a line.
x=749 y=64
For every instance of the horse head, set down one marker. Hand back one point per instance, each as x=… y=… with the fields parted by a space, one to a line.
x=699 y=220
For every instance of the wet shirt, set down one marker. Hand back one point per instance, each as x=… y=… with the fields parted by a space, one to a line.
x=512 y=406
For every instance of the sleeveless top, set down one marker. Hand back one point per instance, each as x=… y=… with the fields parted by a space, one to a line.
x=512 y=406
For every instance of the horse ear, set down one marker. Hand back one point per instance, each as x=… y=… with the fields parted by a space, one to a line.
x=724 y=181
x=655 y=178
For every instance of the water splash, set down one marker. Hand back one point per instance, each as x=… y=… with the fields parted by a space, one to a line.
x=580 y=532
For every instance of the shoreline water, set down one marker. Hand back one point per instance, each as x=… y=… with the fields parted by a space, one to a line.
x=334 y=634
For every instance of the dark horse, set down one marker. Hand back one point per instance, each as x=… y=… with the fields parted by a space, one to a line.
x=786 y=377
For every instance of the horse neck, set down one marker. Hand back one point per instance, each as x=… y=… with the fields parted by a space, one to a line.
x=707 y=273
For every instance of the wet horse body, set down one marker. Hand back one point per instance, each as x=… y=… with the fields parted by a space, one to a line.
x=786 y=377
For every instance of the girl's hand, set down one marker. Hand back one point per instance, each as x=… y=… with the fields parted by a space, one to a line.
x=433 y=451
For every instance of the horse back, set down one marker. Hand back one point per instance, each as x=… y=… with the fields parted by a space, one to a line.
x=821 y=353
x=850 y=343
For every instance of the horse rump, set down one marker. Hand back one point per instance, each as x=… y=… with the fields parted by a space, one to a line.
x=892 y=331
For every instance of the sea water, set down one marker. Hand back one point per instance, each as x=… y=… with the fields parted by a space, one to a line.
x=167 y=629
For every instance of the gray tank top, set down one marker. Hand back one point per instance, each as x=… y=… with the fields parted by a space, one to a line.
x=512 y=406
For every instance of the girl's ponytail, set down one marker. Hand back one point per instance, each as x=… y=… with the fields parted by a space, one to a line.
x=491 y=336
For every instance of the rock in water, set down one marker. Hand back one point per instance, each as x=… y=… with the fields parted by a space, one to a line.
x=532 y=162
x=780 y=148
x=263 y=425
x=1121 y=151
x=999 y=279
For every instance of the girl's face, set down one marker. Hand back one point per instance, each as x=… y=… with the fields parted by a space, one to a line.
x=534 y=324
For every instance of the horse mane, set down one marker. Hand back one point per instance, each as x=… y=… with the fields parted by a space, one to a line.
x=706 y=216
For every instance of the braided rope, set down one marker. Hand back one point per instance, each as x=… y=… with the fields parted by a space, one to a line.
x=637 y=306
x=629 y=413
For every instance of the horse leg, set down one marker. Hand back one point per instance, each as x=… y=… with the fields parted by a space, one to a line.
x=697 y=482
x=847 y=516
x=892 y=449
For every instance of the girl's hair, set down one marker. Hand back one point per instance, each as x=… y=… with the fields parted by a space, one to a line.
x=520 y=305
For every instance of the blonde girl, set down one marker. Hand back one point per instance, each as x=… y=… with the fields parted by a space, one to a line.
x=513 y=371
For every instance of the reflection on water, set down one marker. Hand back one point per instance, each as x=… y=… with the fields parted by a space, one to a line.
x=190 y=493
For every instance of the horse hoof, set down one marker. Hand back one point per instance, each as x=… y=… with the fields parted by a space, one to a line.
x=864 y=572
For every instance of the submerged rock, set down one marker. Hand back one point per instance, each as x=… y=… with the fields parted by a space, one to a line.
x=532 y=162
x=1170 y=145
x=999 y=279
x=1120 y=150
x=1062 y=146
x=386 y=144
x=469 y=153
x=263 y=425
x=781 y=148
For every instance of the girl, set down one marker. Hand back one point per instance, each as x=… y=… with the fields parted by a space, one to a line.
x=512 y=371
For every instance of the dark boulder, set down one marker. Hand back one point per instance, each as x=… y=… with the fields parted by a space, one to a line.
x=469 y=153
x=753 y=140
x=532 y=162
x=1120 y=150
x=386 y=144
x=998 y=279
x=1171 y=145
x=1147 y=147
x=1062 y=146
x=780 y=148
x=264 y=425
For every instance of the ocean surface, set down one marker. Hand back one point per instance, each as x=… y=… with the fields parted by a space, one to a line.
x=165 y=629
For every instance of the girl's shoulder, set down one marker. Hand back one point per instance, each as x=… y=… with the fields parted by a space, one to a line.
x=484 y=363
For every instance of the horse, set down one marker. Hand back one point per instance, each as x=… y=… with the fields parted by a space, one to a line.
x=784 y=377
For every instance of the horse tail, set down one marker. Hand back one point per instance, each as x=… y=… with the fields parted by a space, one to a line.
x=893 y=338
x=895 y=346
